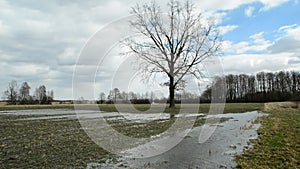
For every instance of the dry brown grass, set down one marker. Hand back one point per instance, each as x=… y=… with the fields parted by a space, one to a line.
x=278 y=145
x=280 y=105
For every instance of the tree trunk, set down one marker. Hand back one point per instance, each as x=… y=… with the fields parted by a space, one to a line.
x=171 y=96
x=171 y=93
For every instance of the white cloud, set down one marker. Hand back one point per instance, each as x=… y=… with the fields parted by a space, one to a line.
x=229 y=5
x=294 y=32
x=257 y=43
x=68 y=57
x=287 y=27
x=4 y=29
x=225 y=29
x=289 y=41
x=25 y=70
x=269 y=4
x=285 y=53
x=213 y=16
x=221 y=5
x=253 y=63
x=249 y=11
x=260 y=42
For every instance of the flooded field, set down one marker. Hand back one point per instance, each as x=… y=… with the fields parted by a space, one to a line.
x=230 y=138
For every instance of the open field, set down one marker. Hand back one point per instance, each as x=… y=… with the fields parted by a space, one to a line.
x=203 y=108
x=3 y=103
x=62 y=143
x=24 y=107
x=278 y=145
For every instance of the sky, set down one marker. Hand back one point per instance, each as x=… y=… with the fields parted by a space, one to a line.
x=41 y=41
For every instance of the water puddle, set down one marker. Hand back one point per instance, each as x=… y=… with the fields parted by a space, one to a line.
x=49 y=114
x=219 y=151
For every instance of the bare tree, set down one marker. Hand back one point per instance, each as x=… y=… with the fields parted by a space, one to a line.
x=172 y=45
x=25 y=92
x=132 y=96
x=11 y=93
x=124 y=96
x=114 y=95
x=36 y=95
x=152 y=96
x=42 y=97
x=50 y=96
x=270 y=81
x=102 y=97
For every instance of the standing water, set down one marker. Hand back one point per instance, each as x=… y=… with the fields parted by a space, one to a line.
x=229 y=139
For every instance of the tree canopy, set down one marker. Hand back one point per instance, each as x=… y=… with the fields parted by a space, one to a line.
x=173 y=44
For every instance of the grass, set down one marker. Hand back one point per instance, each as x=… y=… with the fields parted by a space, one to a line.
x=278 y=145
x=242 y=107
x=63 y=144
x=26 y=107
x=46 y=144
x=203 y=108
x=2 y=103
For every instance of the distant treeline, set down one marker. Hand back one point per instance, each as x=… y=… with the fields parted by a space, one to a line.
x=21 y=95
x=262 y=87
x=117 y=96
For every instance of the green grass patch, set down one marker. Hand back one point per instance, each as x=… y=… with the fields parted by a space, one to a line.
x=278 y=145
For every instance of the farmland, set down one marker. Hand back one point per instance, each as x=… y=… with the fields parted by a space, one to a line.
x=60 y=143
